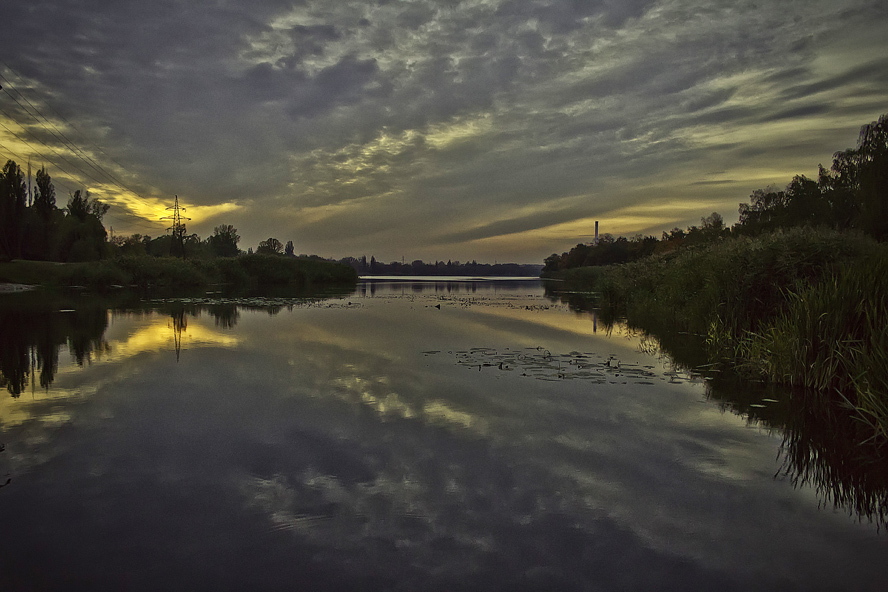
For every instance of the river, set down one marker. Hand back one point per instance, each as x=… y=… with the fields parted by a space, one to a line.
x=411 y=435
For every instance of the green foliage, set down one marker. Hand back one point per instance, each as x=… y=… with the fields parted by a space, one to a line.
x=853 y=194
x=270 y=270
x=251 y=272
x=224 y=241
x=44 y=194
x=12 y=210
x=80 y=236
x=146 y=272
x=831 y=337
x=803 y=306
x=271 y=246
x=872 y=165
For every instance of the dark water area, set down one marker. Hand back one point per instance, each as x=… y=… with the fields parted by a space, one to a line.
x=411 y=435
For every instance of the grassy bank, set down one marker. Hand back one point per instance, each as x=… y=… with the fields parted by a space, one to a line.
x=804 y=307
x=247 y=272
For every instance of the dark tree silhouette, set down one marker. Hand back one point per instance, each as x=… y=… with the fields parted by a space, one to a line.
x=224 y=241
x=271 y=246
x=13 y=193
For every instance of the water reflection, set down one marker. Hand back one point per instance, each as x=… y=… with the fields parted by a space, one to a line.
x=31 y=336
x=820 y=449
x=404 y=440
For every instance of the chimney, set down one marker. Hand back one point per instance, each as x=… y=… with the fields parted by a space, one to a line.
x=596 y=232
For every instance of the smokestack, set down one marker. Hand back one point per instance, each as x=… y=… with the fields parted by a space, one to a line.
x=596 y=232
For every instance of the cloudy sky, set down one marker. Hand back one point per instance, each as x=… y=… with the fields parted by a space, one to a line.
x=496 y=130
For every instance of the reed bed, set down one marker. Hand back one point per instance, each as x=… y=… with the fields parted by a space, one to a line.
x=802 y=306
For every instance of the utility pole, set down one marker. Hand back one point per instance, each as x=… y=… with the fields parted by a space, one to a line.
x=177 y=230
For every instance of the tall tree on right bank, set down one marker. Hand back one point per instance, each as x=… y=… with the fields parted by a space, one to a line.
x=873 y=177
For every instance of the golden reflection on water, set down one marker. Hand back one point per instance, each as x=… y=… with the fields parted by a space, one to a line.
x=49 y=405
x=160 y=335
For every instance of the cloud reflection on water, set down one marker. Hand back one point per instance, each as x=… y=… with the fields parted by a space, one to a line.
x=372 y=457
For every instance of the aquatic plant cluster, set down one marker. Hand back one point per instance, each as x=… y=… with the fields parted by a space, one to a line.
x=541 y=364
x=803 y=306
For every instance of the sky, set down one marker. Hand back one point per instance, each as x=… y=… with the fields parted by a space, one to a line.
x=488 y=130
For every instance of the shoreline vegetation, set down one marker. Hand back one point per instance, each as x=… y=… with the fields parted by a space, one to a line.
x=245 y=272
x=795 y=293
x=804 y=307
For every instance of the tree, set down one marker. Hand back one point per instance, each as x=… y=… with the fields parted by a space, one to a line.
x=44 y=194
x=289 y=249
x=873 y=177
x=78 y=205
x=766 y=210
x=840 y=187
x=713 y=226
x=132 y=245
x=13 y=193
x=82 y=236
x=272 y=246
x=43 y=220
x=224 y=241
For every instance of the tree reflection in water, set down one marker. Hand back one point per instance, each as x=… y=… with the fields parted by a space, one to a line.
x=823 y=450
x=31 y=337
x=820 y=449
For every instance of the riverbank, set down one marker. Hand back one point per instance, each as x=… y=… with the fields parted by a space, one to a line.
x=145 y=272
x=805 y=307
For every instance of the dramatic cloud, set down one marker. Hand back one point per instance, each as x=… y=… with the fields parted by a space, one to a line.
x=473 y=129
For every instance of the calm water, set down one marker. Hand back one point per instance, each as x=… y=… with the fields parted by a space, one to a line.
x=410 y=436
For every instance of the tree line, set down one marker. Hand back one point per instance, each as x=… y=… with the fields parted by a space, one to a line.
x=851 y=195
x=440 y=268
x=33 y=227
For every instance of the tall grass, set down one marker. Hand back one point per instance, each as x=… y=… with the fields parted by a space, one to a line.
x=802 y=306
x=833 y=338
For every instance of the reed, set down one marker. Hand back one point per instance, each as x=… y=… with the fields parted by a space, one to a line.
x=803 y=306
x=831 y=337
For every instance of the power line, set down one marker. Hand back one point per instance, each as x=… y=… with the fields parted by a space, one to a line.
x=66 y=141
x=138 y=220
x=178 y=225
x=30 y=133
x=19 y=157
x=65 y=119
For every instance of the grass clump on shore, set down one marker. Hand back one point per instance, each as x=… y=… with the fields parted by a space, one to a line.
x=832 y=337
x=801 y=306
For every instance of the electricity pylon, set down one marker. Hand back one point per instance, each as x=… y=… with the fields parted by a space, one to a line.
x=177 y=230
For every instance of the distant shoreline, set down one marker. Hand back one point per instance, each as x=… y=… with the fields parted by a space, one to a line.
x=446 y=278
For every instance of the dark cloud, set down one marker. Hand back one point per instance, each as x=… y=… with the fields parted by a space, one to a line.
x=461 y=112
x=871 y=73
x=796 y=112
x=511 y=226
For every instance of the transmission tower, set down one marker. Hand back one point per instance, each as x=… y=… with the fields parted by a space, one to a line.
x=177 y=230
